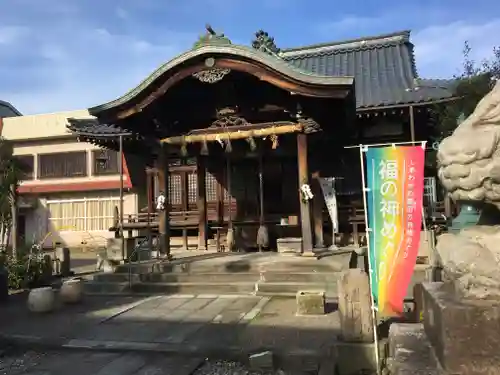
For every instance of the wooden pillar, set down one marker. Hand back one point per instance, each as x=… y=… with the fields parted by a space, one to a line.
x=317 y=203
x=305 y=209
x=150 y=198
x=164 y=224
x=201 y=203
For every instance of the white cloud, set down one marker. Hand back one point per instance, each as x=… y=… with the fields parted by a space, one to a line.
x=70 y=62
x=12 y=34
x=347 y=23
x=437 y=33
x=439 y=48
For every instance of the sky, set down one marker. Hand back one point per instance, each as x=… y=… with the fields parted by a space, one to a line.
x=58 y=55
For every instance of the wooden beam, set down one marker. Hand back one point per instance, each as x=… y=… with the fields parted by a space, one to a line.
x=305 y=209
x=201 y=203
x=232 y=135
x=317 y=211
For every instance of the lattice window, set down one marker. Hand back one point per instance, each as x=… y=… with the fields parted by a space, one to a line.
x=211 y=187
x=192 y=187
x=84 y=214
x=175 y=189
x=62 y=164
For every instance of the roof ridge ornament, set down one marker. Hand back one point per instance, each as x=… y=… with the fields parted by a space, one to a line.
x=211 y=37
x=265 y=43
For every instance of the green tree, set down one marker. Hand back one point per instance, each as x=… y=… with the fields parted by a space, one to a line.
x=469 y=87
x=11 y=172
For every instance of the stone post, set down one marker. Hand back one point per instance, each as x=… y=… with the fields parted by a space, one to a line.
x=356 y=323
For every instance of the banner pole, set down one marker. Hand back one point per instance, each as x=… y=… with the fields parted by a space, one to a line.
x=370 y=266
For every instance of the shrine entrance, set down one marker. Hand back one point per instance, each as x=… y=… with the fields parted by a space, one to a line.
x=232 y=135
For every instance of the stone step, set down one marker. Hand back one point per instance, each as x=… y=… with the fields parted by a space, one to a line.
x=143 y=288
x=236 y=263
x=177 y=277
x=180 y=277
x=300 y=277
x=290 y=289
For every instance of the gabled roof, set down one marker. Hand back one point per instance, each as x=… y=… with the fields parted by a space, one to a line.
x=383 y=67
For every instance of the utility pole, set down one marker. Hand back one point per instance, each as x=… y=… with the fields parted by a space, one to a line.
x=14 y=230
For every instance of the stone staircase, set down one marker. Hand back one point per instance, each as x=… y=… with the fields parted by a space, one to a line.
x=266 y=274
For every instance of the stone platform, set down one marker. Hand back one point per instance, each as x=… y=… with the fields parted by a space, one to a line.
x=458 y=336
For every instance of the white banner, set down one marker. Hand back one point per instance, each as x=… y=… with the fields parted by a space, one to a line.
x=330 y=195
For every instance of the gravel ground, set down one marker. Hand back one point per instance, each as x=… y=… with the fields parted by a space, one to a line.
x=20 y=362
x=13 y=362
x=231 y=368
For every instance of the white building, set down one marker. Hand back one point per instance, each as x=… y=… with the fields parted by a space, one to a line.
x=69 y=196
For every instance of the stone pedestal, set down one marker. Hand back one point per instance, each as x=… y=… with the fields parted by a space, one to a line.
x=463 y=332
x=310 y=303
x=356 y=322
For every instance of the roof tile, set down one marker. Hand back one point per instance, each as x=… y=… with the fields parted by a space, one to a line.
x=383 y=67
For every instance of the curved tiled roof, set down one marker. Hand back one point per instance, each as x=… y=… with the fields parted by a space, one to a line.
x=8 y=110
x=383 y=67
x=211 y=50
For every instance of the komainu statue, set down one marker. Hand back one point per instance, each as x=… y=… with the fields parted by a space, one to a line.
x=469 y=169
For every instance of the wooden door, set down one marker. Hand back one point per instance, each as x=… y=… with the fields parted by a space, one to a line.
x=182 y=190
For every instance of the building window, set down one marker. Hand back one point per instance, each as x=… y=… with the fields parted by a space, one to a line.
x=192 y=188
x=63 y=164
x=175 y=189
x=105 y=162
x=211 y=187
x=84 y=214
x=27 y=162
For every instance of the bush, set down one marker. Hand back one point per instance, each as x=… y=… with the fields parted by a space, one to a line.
x=24 y=272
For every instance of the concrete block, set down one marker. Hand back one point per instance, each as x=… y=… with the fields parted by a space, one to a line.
x=310 y=302
x=461 y=330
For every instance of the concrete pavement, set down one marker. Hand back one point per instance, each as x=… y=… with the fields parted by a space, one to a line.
x=190 y=326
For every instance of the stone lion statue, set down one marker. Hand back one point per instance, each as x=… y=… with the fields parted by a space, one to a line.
x=469 y=169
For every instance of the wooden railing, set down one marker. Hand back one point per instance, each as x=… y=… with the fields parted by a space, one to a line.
x=177 y=218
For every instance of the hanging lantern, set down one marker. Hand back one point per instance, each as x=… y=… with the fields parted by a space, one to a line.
x=204 y=147
x=102 y=159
